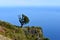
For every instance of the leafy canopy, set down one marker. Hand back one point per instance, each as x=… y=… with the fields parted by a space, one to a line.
x=23 y=19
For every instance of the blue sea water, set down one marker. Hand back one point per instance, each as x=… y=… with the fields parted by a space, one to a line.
x=46 y=17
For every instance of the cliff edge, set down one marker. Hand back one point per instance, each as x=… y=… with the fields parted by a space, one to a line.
x=13 y=32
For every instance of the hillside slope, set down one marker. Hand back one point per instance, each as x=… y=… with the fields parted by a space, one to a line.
x=16 y=33
x=4 y=38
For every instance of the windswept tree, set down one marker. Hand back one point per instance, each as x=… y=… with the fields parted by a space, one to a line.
x=23 y=19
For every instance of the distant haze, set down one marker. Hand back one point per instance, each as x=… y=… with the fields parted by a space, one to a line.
x=38 y=3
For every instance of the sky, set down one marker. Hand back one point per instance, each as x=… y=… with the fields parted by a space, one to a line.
x=13 y=3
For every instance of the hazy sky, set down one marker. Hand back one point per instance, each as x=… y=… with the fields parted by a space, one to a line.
x=29 y=3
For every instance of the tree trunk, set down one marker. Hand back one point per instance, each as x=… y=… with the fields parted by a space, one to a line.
x=21 y=25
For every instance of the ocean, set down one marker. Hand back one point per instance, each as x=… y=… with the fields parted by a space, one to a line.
x=46 y=17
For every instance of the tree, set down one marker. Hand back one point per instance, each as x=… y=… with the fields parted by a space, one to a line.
x=23 y=19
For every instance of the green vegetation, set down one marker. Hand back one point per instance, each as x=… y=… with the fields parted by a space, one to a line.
x=23 y=19
x=21 y=33
x=17 y=33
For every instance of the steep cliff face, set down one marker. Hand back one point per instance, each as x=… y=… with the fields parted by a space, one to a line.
x=13 y=32
x=33 y=33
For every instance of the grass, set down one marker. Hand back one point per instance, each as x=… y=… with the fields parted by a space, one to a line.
x=25 y=33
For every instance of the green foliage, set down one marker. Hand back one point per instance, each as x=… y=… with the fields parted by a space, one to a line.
x=25 y=33
x=23 y=20
x=7 y=25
